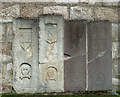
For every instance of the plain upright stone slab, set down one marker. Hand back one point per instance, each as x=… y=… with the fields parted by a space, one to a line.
x=99 y=55
x=25 y=56
x=75 y=56
x=51 y=53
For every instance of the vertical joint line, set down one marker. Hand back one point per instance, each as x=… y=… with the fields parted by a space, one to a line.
x=86 y=56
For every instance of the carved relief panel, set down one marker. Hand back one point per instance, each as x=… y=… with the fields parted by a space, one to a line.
x=25 y=51
x=51 y=53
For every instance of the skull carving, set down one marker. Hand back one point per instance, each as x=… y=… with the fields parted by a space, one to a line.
x=25 y=70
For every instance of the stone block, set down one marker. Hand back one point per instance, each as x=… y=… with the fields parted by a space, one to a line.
x=115 y=50
x=56 y=10
x=30 y=10
x=115 y=67
x=7 y=32
x=82 y=12
x=6 y=66
x=75 y=56
x=115 y=33
x=25 y=56
x=13 y=11
x=99 y=56
x=1 y=32
x=51 y=53
x=110 y=4
x=104 y=13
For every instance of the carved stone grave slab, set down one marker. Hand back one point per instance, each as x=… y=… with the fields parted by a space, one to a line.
x=25 y=56
x=51 y=53
x=75 y=55
x=99 y=55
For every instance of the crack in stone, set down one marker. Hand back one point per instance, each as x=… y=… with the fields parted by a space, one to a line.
x=67 y=56
x=100 y=54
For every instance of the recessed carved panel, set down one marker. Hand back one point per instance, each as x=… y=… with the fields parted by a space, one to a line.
x=25 y=70
x=51 y=74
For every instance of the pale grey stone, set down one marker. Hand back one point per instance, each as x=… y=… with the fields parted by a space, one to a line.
x=51 y=53
x=115 y=35
x=25 y=59
x=82 y=12
x=115 y=50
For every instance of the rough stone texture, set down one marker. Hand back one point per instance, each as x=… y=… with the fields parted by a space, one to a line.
x=104 y=13
x=115 y=34
x=75 y=56
x=116 y=74
x=82 y=12
x=25 y=57
x=7 y=67
x=99 y=56
x=115 y=50
x=13 y=11
x=56 y=10
x=51 y=53
x=111 y=3
x=7 y=33
x=0 y=58
x=30 y=10
x=6 y=56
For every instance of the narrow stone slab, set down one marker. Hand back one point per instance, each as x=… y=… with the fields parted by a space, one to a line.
x=51 y=53
x=25 y=59
x=99 y=55
x=75 y=55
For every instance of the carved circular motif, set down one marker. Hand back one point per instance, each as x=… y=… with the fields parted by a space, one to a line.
x=51 y=73
x=100 y=78
x=25 y=69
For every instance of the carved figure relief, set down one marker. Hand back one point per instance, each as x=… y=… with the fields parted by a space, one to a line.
x=51 y=74
x=25 y=71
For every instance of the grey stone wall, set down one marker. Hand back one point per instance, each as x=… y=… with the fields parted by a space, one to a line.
x=70 y=11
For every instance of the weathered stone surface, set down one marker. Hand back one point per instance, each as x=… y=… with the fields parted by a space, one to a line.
x=13 y=11
x=51 y=53
x=1 y=32
x=6 y=65
x=115 y=50
x=115 y=34
x=0 y=67
x=82 y=12
x=75 y=56
x=103 y=13
x=99 y=56
x=115 y=3
x=30 y=10
x=115 y=67
x=56 y=10
x=7 y=33
x=25 y=59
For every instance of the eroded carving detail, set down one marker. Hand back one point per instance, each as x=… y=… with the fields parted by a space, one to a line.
x=51 y=74
x=100 y=78
x=25 y=46
x=25 y=71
